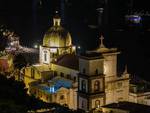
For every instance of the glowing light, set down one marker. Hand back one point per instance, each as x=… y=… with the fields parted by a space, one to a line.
x=134 y=18
x=74 y=47
x=35 y=46
x=79 y=47
x=52 y=89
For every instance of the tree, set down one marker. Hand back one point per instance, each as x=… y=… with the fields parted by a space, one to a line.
x=14 y=97
x=19 y=61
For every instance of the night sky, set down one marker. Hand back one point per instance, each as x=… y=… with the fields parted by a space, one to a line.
x=31 y=18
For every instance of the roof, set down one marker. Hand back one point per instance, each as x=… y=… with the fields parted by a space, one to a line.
x=69 y=61
x=41 y=68
x=91 y=55
x=59 y=82
x=129 y=106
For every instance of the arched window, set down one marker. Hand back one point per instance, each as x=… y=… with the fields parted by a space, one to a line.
x=96 y=86
x=84 y=70
x=61 y=97
x=83 y=104
x=45 y=55
x=97 y=103
x=83 y=85
x=96 y=71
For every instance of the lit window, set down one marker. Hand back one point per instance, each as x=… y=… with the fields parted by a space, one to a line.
x=96 y=86
x=83 y=85
x=45 y=55
x=52 y=90
x=97 y=103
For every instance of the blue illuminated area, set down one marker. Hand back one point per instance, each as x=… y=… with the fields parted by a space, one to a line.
x=55 y=85
x=136 y=19
x=47 y=89
x=62 y=83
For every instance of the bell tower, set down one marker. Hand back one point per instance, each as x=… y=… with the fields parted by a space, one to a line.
x=91 y=81
x=116 y=87
x=110 y=59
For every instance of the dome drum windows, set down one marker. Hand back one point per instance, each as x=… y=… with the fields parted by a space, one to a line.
x=45 y=56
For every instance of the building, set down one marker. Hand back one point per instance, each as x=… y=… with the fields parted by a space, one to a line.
x=98 y=82
x=6 y=62
x=125 y=107
x=139 y=91
x=85 y=82
x=57 y=41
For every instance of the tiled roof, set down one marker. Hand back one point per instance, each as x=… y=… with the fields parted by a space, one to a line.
x=129 y=106
x=69 y=61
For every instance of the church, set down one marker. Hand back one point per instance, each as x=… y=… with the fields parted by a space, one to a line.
x=86 y=81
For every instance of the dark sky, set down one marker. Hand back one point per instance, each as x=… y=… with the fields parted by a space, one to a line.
x=31 y=18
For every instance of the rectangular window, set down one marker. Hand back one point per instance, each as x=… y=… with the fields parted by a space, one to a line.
x=96 y=71
x=74 y=79
x=62 y=74
x=68 y=76
x=45 y=57
x=83 y=70
x=55 y=73
x=32 y=73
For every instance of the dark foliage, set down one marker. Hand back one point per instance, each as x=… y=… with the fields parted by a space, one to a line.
x=14 y=97
x=19 y=61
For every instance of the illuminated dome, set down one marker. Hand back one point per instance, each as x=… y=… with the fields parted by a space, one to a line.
x=57 y=36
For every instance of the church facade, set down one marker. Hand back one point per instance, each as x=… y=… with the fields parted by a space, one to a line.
x=86 y=81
